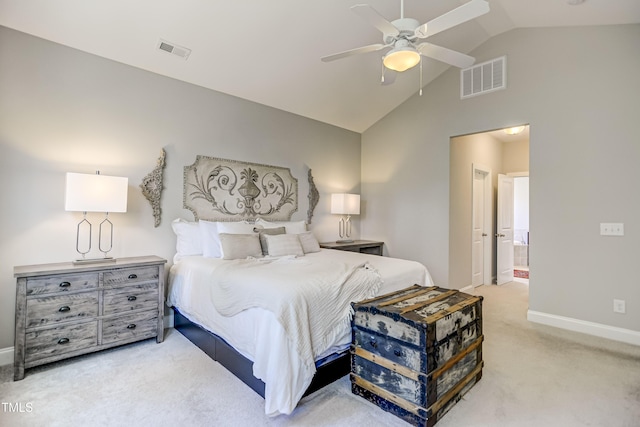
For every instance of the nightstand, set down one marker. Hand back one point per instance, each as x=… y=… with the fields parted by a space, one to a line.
x=65 y=310
x=363 y=246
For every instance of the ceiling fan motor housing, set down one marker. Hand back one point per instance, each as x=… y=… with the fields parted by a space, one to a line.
x=406 y=30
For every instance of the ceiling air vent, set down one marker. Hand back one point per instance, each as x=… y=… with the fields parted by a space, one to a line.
x=483 y=78
x=174 y=49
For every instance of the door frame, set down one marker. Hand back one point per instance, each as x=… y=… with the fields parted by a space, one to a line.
x=488 y=219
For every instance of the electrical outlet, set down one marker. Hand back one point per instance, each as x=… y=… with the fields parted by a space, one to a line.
x=619 y=306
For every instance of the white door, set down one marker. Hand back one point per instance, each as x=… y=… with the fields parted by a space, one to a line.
x=504 y=227
x=480 y=227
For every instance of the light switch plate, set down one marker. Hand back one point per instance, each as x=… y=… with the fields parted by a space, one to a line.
x=612 y=229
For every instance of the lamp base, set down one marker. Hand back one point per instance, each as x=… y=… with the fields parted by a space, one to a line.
x=93 y=261
x=345 y=241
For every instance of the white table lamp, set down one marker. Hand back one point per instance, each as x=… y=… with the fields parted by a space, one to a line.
x=95 y=193
x=345 y=204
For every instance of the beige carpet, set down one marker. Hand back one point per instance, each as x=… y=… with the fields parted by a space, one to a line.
x=533 y=376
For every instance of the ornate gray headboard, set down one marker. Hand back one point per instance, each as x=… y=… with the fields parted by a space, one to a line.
x=228 y=190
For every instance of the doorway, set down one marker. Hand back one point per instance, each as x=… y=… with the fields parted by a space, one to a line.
x=476 y=159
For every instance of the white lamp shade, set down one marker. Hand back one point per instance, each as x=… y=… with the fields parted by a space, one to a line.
x=95 y=193
x=345 y=204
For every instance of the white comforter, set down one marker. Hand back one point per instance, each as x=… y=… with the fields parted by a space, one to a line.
x=256 y=332
x=309 y=297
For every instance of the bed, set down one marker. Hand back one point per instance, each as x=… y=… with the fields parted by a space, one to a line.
x=254 y=345
x=254 y=290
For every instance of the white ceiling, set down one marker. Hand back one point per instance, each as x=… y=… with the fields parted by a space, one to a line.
x=269 y=51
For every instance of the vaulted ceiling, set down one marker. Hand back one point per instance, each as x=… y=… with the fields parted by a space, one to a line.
x=269 y=51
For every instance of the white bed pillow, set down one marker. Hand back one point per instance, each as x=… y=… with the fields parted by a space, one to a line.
x=309 y=242
x=240 y=227
x=210 y=239
x=188 y=239
x=292 y=227
x=240 y=246
x=284 y=244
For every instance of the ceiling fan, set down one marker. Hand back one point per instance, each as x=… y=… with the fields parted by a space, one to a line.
x=404 y=36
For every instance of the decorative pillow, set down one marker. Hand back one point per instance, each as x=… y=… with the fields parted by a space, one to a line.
x=284 y=244
x=292 y=227
x=211 y=246
x=271 y=231
x=240 y=246
x=210 y=239
x=309 y=242
x=188 y=240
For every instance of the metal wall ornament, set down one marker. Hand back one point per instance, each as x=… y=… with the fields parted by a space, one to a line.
x=228 y=190
x=152 y=187
x=314 y=197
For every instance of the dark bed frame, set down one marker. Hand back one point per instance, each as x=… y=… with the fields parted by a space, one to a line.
x=328 y=369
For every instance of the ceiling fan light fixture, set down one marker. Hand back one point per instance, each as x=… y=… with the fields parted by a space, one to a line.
x=514 y=131
x=401 y=58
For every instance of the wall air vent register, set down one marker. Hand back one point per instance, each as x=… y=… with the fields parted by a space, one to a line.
x=174 y=49
x=482 y=78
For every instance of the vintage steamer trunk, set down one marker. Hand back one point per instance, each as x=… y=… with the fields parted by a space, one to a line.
x=417 y=351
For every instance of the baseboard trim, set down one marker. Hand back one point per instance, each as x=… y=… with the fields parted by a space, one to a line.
x=468 y=289
x=591 y=328
x=6 y=356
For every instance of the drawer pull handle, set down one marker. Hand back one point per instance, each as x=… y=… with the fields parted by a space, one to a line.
x=63 y=341
x=133 y=276
x=373 y=343
x=132 y=298
x=131 y=326
x=64 y=284
x=397 y=352
x=64 y=309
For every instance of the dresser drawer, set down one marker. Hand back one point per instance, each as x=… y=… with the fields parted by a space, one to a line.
x=130 y=327
x=61 y=308
x=130 y=298
x=60 y=340
x=61 y=283
x=130 y=275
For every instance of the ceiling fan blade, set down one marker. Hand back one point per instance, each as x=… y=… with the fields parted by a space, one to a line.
x=457 y=16
x=388 y=77
x=372 y=16
x=445 y=55
x=356 y=51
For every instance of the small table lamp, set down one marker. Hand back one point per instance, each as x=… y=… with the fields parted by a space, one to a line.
x=347 y=205
x=95 y=193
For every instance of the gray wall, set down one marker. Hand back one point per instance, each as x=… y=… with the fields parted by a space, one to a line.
x=579 y=90
x=62 y=110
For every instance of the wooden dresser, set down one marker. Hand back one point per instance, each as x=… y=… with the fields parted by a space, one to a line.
x=65 y=310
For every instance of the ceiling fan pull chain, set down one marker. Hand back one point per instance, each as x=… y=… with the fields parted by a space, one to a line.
x=382 y=72
x=420 y=75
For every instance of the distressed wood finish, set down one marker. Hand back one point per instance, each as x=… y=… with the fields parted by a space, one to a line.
x=415 y=352
x=65 y=310
x=62 y=283
x=43 y=311
x=423 y=327
x=131 y=327
x=62 y=339
x=131 y=298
